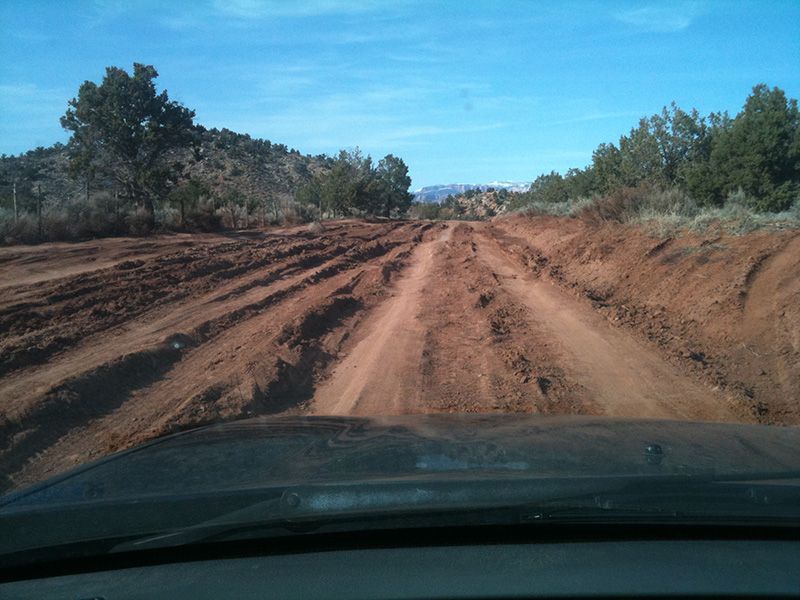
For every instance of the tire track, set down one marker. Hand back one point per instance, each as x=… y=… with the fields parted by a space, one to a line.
x=625 y=378
x=380 y=375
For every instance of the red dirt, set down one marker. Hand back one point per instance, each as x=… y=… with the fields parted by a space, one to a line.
x=109 y=343
x=724 y=309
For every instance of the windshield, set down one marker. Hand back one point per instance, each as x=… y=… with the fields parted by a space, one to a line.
x=558 y=243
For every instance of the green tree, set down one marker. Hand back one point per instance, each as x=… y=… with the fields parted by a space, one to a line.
x=347 y=186
x=124 y=126
x=683 y=138
x=759 y=152
x=548 y=188
x=310 y=194
x=391 y=183
x=640 y=158
x=696 y=175
x=580 y=183
x=606 y=165
x=187 y=197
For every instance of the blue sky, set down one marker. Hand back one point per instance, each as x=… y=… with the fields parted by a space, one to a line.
x=464 y=91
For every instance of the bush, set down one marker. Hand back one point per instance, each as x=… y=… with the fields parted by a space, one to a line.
x=204 y=219
x=549 y=208
x=299 y=213
x=425 y=210
x=669 y=209
x=316 y=227
x=24 y=231
x=138 y=222
x=169 y=218
x=617 y=206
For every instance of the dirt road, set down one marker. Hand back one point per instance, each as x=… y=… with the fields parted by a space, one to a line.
x=614 y=373
x=111 y=343
x=381 y=375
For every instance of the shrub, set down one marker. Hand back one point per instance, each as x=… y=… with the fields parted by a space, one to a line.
x=617 y=206
x=24 y=231
x=169 y=218
x=139 y=222
x=299 y=213
x=540 y=208
x=205 y=218
x=316 y=227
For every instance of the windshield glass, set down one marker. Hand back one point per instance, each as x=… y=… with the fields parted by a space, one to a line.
x=467 y=255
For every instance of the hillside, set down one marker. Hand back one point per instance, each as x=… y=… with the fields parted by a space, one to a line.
x=223 y=160
x=471 y=204
x=256 y=168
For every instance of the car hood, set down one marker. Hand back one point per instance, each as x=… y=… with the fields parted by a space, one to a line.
x=274 y=451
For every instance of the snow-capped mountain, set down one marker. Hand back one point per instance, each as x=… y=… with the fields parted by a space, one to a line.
x=437 y=193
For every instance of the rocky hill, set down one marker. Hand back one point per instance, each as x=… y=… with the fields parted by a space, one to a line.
x=437 y=193
x=223 y=160
x=478 y=204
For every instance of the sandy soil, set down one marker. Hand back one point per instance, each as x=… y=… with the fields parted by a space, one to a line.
x=110 y=343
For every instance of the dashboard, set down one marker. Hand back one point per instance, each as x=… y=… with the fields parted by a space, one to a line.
x=567 y=569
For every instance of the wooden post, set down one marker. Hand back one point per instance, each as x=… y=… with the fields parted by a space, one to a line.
x=39 y=206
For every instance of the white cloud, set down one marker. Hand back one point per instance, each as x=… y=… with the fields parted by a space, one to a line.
x=29 y=96
x=180 y=22
x=596 y=116
x=258 y=9
x=379 y=118
x=668 y=17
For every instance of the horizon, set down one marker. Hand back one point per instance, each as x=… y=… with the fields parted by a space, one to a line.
x=482 y=92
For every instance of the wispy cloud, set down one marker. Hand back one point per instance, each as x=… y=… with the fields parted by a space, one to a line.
x=258 y=9
x=183 y=22
x=29 y=95
x=596 y=116
x=103 y=11
x=379 y=118
x=31 y=35
x=424 y=131
x=668 y=17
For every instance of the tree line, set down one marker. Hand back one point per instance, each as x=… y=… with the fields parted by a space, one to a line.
x=755 y=154
x=355 y=185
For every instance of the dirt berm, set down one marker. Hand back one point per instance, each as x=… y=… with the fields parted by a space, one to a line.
x=724 y=307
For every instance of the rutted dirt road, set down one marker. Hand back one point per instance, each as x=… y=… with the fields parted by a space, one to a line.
x=381 y=373
x=110 y=343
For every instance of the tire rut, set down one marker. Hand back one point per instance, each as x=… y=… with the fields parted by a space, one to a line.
x=624 y=377
x=248 y=388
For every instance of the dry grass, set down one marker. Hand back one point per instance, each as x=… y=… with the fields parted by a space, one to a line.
x=667 y=211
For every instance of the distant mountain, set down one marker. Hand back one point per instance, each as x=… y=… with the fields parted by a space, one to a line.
x=437 y=193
